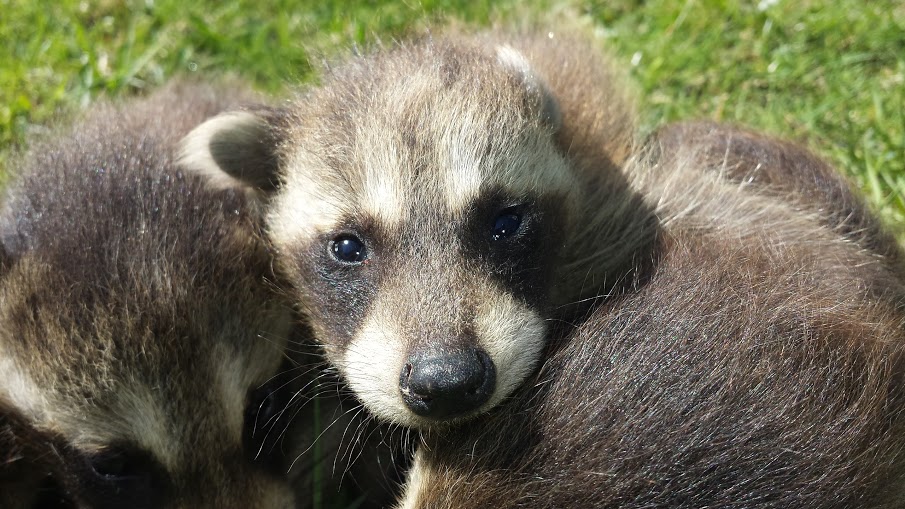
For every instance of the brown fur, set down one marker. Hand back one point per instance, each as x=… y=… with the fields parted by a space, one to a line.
x=416 y=149
x=757 y=362
x=137 y=319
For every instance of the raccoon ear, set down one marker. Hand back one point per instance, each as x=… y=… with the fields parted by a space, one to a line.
x=235 y=149
x=543 y=103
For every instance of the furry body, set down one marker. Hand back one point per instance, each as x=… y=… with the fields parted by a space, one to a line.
x=756 y=362
x=137 y=321
x=417 y=157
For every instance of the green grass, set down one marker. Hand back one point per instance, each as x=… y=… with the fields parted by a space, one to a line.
x=830 y=74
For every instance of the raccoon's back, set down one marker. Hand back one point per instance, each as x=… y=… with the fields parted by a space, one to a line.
x=90 y=198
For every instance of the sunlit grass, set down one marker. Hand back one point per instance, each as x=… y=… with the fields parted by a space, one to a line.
x=828 y=74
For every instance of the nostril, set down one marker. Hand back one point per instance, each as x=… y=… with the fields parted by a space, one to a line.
x=447 y=383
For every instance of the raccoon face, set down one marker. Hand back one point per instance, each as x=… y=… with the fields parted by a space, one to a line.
x=139 y=338
x=419 y=205
x=138 y=402
x=452 y=303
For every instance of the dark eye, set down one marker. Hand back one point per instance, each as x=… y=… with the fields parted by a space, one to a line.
x=116 y=466
x=122 y=476
x=348 y=248
x=506 y=224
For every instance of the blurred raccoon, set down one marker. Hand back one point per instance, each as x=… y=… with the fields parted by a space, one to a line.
x=141 y=344
x=757 y=361
x=437 y=204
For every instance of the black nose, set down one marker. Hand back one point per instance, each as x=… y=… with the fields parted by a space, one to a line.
x=445 y=384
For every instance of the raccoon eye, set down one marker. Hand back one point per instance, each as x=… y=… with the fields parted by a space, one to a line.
x=120 y=476
x=116 y=466
x=506 y=224
x=348 y=249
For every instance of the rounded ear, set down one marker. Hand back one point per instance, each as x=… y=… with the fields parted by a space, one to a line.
x=543 y=103
x=235 y=149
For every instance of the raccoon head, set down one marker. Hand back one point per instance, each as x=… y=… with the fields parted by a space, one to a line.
x=137 y=347
x=420 y=204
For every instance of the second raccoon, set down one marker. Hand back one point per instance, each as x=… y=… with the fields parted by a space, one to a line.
x=138 y=332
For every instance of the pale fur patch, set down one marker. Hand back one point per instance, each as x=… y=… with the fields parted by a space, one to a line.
x=417 y=481
x=309 y=203
x=148 y=424
x=383 y=195
x=137 y=417
x=275 y=494
x=691 y=197
x=459 y=155
x=141 y=418
x=530 y=165
x=372 y=364
x=535 y=166
x=511 y=333
x=233 y=383
x=19 y=389
x=195 y=152
x=513 y=336
x=237 y=374
x=514 y=59
x=315 y=198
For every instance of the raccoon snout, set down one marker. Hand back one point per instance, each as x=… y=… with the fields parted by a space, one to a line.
x=447 y=384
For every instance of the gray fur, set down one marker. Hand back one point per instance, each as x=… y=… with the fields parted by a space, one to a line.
x=415 y=148
x=757 y=360
x=136 y=312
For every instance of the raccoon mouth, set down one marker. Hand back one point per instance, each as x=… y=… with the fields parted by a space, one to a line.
x=447 y=385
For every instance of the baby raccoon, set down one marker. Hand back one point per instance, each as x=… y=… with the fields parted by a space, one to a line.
x=757 y=362
x=139 y=336
x=436 y=205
